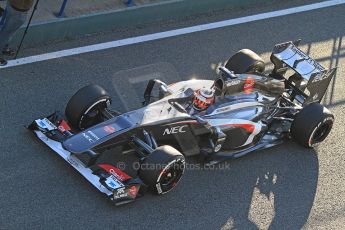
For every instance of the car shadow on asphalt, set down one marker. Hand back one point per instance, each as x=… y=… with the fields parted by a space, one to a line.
x=269 y=189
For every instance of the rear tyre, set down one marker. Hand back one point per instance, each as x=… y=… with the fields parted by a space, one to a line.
x=83 y=109
x=245 y=61
x=312 y=125
x=162 y=169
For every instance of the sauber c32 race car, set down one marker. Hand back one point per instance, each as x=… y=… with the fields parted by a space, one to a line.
x=242 y=110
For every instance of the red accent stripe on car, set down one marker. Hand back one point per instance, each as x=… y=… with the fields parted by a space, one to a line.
x=133 y=191
x=248 y=127
x=63 y=126
x=119 y=174
x=248 y=85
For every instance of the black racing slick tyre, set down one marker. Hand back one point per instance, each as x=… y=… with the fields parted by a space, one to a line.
x=83 y=109
x=312 y=125
x=245 y=61
x=162 y=169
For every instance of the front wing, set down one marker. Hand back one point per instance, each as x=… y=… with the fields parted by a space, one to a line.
x=109 y=180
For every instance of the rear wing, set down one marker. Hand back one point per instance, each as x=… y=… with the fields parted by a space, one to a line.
x=309 y=80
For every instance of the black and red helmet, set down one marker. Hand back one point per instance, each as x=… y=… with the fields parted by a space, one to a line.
x=203 y=98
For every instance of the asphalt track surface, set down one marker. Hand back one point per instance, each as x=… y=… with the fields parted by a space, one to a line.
x=285 y=187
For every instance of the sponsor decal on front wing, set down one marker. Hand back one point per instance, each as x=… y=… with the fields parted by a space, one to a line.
x=45 y=124
x=126 y=193
x=112 y=183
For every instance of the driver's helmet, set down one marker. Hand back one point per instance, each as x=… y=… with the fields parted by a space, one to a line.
x=203 y=98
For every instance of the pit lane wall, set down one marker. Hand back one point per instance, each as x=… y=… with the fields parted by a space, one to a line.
x=68 y=28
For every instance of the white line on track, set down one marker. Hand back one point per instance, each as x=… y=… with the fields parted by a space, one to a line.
x=171 y=33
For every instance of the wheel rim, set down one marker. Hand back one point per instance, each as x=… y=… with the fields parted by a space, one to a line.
x=89 y=119
x=92 y=114
x=171 y=175
x=320 y=133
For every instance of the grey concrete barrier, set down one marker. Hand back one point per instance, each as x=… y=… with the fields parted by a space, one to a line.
x=68 y=28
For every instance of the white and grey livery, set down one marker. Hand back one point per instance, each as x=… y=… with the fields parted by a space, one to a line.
x=248 y=110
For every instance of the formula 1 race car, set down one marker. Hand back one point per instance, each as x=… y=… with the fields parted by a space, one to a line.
x=242 y=110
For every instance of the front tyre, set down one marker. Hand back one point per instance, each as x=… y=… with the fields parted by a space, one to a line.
x=84 y=108
x=312 y=125
x=162 y=169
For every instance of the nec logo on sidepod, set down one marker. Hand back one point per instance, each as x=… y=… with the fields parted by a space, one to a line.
x=175 y=130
